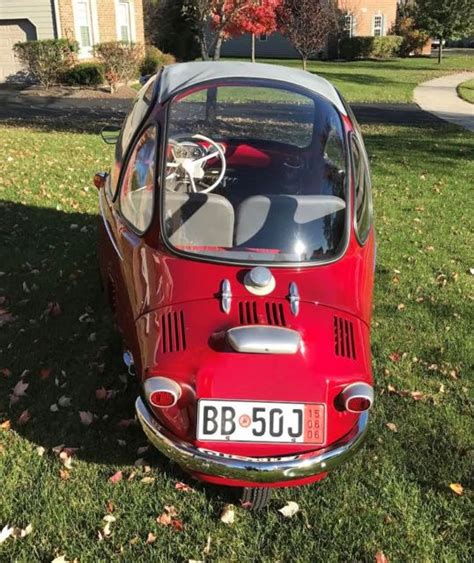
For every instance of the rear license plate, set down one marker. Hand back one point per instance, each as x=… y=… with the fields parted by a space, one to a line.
x=255 y=421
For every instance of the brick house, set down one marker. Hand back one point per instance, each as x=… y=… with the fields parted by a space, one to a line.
x=87 y=21
x=362 y=18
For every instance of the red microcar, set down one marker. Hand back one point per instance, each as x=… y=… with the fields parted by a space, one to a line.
x=237 y=252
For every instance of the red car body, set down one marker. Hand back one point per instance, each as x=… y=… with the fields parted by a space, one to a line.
x=175 y=309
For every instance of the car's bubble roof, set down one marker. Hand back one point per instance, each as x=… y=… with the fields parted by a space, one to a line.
x=180 y=76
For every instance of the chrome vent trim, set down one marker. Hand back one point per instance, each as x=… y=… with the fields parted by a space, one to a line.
x=344 y=341
x=173 y=332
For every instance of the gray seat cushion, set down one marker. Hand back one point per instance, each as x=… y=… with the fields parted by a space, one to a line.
x=194 y=219
x=278 y=221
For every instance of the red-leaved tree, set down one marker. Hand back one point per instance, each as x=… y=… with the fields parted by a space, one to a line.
x=215 y=21
x=307 y=24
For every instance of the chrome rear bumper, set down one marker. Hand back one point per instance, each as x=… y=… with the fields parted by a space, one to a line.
x=258 y=470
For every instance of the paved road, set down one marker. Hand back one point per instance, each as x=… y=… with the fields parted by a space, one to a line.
x=86 y=118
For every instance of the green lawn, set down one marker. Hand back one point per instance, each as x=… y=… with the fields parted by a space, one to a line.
x=466 y=91
x=394 y=497
x=390 y=81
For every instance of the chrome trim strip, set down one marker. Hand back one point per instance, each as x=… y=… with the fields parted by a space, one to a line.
x=257 y=470
x=226 y=296
x=262 y=339
x=153 y=384
x=294 y=298
x=107 y=227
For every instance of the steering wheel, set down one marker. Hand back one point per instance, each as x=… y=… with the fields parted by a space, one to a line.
x=186 y=167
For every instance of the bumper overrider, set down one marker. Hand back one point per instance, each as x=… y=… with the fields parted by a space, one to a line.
x=258 y=470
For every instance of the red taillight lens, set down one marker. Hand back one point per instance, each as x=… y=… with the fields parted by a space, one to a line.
x=162 y=398
x=358 y=404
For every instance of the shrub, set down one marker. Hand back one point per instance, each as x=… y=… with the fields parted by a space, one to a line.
x=370 y=47
x=85 y=74
x=47 y=59
x=413 y=39
x=121 y=61
x=154 y=59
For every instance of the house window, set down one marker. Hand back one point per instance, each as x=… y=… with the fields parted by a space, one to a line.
x=124 y=21
x=83 y=26
x=263 y=37
x=378 y=26
x=349 y=25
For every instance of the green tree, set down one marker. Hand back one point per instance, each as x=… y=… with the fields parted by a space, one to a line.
x=445 y=19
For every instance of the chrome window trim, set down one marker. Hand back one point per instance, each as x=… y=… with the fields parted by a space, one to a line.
x=355 y=138
x=107 y=226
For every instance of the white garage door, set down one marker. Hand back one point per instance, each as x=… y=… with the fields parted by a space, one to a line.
x=10 y=33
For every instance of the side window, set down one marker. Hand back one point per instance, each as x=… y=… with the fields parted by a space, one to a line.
x=138 y=183
x=363 y=191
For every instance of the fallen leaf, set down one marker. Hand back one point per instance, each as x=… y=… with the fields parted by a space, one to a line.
x=20 y=389
x=116 y=477
x=54 y=407
x=164 y=519
x=391 y=426
x=171 y=510
x=5 y=372
x=290 y=509
x=126 y=422
x=64 y=474
x=5 y=533
x=228 y=514
x=380 y=557
x=147 y=480
x=151 y=538
x=53 y=309
x=44 y=373
x=110 y=506
x=5 y=317
x=417 y=395
x=177 y=525
x=19 y=533
x=109 y=518
x=457 y=488
x=60 y=559
x=101 y=394
x=142 y=450
x=66 y=460
x=183 y=487
x=140 y=462
x=87 y=418
x=24 y=417
x=395 y=357
x=64 y=401
x=40 y=451
x=6 y=425
x=207 y=549
x=400 y=307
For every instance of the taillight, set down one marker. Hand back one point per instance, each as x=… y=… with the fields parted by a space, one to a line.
x=357 y=397
x=161 y=392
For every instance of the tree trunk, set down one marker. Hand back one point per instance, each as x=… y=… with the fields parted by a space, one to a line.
x=253 y=47
x=217 y=49
x=211 y=105
x=305 y=63
x=440 y=50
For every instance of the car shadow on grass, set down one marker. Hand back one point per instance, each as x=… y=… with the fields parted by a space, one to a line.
x=61 y=343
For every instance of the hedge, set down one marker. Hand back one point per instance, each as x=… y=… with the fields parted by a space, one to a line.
x=85 y=74
x=370 y=47
x=121 y=61
x=48 y=59
x=154 y=59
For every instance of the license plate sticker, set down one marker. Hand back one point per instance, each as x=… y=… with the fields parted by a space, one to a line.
x=258 y=421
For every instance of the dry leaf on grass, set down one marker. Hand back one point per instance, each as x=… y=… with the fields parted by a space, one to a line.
x=395 y=356
x=151 y=538
x=66 y=460
x=228 y=514
x=19 y=533
x=183 y=487
x=290 y=509
x=64 y=401
x=24 y=417
x=53 y=309
x=6 y=425
x=20 y=389
x=5 y=533
x=391 y=426
x=60 y=559
x=40 y=451
x=457 y=488
x=116 y=477
x=168 y=518
x=147 y=480
x=380 y=557
x=126 y=422
x=64 y=474
x=45 y=373
x=5 y=372
x=86 y=417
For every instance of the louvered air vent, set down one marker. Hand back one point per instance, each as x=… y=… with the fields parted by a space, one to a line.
x=253 y=312
x=344 y=343
x=173 y=335
x=248 y=313
x=275 y=314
